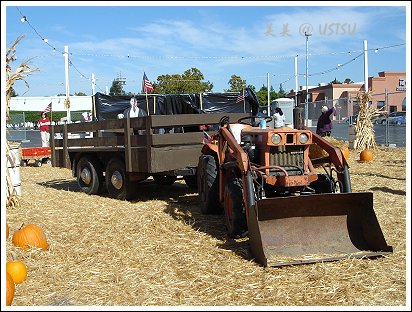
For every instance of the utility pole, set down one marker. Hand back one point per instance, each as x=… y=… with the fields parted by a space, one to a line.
x=66 y=70
x=93 y=84
x=296 y=80
x=268 y=96
x=307 y=91
x=365 y=64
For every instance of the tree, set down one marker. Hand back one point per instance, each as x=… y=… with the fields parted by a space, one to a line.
x=335 y=81
x=262 y=95
x=251 y=87
x=189 y=82
x=347 y=81
x=236 y=83
x=116 y=88
x=13 y=92
x=281 y=92
x=80 y=93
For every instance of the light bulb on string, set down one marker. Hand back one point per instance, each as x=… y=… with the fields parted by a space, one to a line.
x=23 y=19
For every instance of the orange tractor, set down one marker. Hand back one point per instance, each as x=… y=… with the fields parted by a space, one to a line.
x=294 y=209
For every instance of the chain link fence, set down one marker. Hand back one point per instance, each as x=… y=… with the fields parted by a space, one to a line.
x=388 y=133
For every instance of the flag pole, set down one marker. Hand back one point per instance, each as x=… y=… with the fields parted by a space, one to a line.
x=244 y=100
x=147 y=104
x=51 y=112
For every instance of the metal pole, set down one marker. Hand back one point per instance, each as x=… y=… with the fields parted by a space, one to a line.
x=307 y=93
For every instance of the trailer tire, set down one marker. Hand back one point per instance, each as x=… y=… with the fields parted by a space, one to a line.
x=37 y=163
x=23 y=163
x=235 y=213
x=208 y=185
x=47 y=161
x=117 y=182
x=164 y=179
x=89 y=175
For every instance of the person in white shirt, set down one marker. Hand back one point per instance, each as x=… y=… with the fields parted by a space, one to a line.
x=279 y=118
x=133 y=111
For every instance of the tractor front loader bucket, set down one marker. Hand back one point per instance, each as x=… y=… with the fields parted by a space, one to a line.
x=315 y=228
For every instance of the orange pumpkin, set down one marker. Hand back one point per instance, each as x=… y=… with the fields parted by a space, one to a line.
x=17 y=271
x=30 y=236
x=345 y=151
x=7 y=230
x=9 y=289
x=366 y=155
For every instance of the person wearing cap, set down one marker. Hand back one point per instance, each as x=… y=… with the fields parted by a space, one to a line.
x=324 y=125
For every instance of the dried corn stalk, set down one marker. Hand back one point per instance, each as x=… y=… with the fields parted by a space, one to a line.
x=365 y=134
x=18 y=74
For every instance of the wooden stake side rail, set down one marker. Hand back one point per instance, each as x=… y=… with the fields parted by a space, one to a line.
x=142 y=151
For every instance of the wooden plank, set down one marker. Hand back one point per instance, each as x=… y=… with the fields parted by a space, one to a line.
x=177 y=138
x=174 y=157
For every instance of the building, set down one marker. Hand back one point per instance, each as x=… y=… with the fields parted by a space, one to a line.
x=388 y=85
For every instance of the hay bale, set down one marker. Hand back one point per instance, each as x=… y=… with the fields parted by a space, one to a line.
x=315 y=151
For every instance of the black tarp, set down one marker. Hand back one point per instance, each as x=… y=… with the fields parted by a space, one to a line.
x=108 y=107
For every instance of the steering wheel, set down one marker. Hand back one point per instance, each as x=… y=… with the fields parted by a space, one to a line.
x=252 y=121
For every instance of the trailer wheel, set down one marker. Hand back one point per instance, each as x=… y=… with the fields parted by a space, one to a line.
x=117 y=183
x=208 y=185
x=38 y=163
x=47 y=161
x=23 y=163
x=235 y=213
x=164 y=179
x=89 y=175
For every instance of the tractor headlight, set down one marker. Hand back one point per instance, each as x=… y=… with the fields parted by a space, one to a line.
x=276 y=138
x=303 y=138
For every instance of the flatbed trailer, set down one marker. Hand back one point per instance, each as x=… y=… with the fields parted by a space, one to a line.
x=119 y=153
x=40 y=156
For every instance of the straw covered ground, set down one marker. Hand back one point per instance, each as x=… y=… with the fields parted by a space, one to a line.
x=159 y=250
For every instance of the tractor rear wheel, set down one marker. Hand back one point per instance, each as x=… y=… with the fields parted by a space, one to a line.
x=208 y=185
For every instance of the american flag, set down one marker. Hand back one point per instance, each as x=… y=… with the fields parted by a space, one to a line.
x=241 y=96
x=146 y=84
x=48 y=108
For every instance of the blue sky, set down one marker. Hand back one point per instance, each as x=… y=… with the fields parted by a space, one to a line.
x=127 y=39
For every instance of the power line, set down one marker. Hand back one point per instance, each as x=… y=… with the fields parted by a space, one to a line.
x=45 y=40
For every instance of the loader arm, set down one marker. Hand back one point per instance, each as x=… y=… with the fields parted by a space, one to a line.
x=231 y=155
x=336 y=157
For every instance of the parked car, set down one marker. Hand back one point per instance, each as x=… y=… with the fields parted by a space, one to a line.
x=375 y=119
x=400 y=120
x=351 y=119
x=389 y=118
